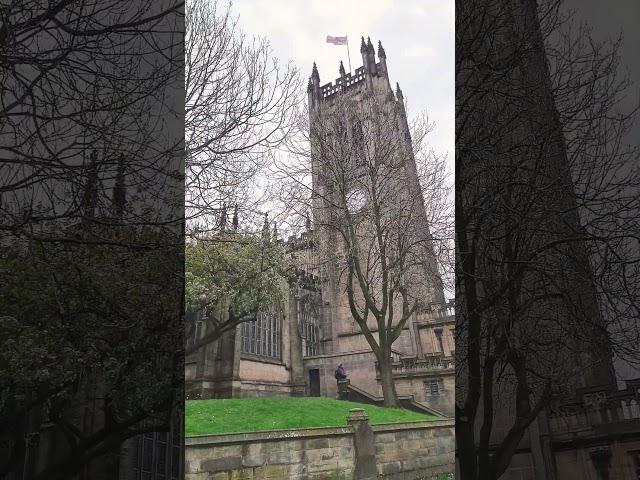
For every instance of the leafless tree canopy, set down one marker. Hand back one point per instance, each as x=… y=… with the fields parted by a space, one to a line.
x=84 y=92
x=546 y=220
x=238 y=107
x=354 y=169
x=91 y=210
x=239 y=104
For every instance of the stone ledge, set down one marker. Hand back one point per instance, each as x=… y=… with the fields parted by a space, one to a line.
x=339 y=354
x=262 y=359
x=440 y=321
x=427 y=372
x=422 y=424
x=353 y=333
x=310 y=433
x=270 y=435
x=268 y=384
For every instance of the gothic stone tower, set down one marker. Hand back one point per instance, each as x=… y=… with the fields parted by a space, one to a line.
x=357 y=125
x=294 y=348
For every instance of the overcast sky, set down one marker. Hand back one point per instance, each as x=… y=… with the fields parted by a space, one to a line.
x=418 y=37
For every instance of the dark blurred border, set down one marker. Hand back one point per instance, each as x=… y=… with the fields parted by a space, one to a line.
x=91 y=239
x=547 y=229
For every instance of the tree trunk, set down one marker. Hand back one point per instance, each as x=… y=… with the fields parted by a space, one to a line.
x=386 y=379
x=466 y=450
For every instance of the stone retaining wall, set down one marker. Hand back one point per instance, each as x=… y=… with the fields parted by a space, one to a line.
x=417 y=450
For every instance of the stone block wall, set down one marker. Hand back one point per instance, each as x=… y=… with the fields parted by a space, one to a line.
x=318 y=453
x=417 y=450
x=415 y=385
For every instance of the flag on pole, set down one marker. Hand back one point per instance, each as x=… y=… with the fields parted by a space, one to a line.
x=337 y=40
x=340 y=41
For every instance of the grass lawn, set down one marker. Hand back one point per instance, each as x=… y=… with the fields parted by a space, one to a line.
x=256 y=414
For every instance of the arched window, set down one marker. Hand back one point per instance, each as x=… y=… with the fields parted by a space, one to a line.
x=357 y=140
x=263 y=337
x=158 y=455
x=194 y=325
x=357 y=134
x=309 y=327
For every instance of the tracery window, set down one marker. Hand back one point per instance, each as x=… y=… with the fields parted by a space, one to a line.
x=359 y=147
x=194 y=321
x=310 y=327
x=158 y=455
x=263 y=336
x=635 y=457
x=438 y=334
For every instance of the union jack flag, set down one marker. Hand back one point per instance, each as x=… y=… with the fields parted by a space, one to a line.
x=337 y=40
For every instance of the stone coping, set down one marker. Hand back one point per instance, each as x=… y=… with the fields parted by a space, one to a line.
x=418 y=425
x=265 y=382
x=268 y=435
x=353 y=333
x=436 y=322
x=425 y=372
x=338 y=354
x=261 y=359
x=304 y=433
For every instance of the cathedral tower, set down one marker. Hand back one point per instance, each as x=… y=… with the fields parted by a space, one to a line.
x=362 y=163
x=367 y=204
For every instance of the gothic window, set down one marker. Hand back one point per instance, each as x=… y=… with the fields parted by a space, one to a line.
x=147 y=455
x=635 y=458
x=357 y=133
x=340 y=131
x=357 y=137
x=158 y=455
x=263 y=336
x=194 y=321
x=438 y=334
x=310 y=327
x=198 y=330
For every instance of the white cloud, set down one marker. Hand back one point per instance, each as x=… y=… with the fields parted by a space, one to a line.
x=426 y=51
x=418 y=36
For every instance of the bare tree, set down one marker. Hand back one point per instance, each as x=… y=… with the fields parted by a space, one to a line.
x=363 y=172
x=238 y=107
x=90 y=222
x=546 y=208
x=83 y=88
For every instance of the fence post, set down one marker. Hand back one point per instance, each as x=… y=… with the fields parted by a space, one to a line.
x=343 y=389
x=364 y=443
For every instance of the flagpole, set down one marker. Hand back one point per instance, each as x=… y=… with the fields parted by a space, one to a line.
x=348 y=54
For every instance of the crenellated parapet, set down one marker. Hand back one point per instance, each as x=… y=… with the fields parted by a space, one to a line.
x=371 y=75
x=304 y=241
x=343 y=83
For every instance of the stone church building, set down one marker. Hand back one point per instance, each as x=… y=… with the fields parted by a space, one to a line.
x=294 y=348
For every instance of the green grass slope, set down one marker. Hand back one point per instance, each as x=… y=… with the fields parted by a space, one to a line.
x=257 y=414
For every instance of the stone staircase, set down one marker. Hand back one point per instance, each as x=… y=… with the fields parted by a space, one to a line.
x=351 y=393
